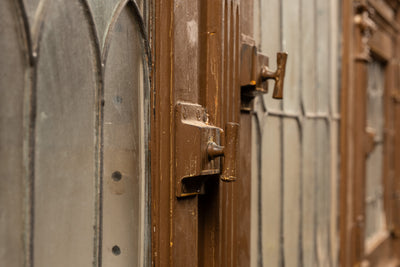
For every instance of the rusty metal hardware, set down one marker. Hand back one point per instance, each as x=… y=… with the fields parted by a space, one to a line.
x=278 y=75
x=199 y=152
x=229 y=171
x=254 y=73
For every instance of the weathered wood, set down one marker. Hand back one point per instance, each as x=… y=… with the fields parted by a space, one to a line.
x=346 y=199
x=396 y=201
x=243 y=196
x=363 y=175
x=381 y=45
x=184 y=242
x=161 y=136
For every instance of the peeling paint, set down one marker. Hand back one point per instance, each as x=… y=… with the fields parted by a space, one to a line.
x=192 y=32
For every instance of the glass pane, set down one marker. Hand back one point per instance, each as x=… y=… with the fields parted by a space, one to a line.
x=290 y=43
x=308 y=30
x=123 y=218
x=256 y=192
x=268 y=33
x=323 y=56
x=291 y=191
x=308 y=193
x=12 y=165
x=66 y=147
x=335 y=181
x=106 y=11
x=335 y=35
x=323 y=192
x=271 y=196
x=308 y=66
x=375 y=220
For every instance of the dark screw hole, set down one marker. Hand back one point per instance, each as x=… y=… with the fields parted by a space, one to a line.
x=116 y=250
x=116 y=176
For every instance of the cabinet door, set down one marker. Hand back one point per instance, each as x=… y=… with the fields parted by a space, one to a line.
x=74 y=131
x=369 y=134
x=196 y=53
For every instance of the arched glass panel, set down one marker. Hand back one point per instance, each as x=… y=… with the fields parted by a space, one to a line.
x=124 y=144
x=66 y=165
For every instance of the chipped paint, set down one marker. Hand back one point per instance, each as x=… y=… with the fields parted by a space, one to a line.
x=192 y=32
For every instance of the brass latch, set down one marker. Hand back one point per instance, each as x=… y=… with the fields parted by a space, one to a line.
x=199 y=150
x=254 y=73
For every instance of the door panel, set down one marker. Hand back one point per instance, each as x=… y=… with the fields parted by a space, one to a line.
x=368 y=134
x=196 y=63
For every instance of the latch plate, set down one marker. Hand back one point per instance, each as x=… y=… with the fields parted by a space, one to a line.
x=193 y=133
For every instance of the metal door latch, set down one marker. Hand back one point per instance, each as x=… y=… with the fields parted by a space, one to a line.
x=199 y=152
x=254 y=73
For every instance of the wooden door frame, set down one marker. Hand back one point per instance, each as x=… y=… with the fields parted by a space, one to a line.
x=353 y=138
x=177 y=237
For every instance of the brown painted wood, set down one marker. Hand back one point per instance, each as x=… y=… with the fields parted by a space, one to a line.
x=161 y=135
x=353 y=185
x=346 y=114
x=196 y=53
x=243 y=195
